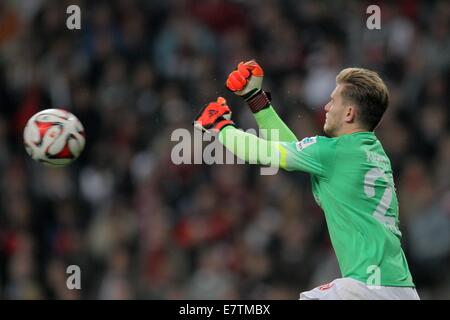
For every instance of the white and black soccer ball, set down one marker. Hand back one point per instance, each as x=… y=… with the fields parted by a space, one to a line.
x=54 y=137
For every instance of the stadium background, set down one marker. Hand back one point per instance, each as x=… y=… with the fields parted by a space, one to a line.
x=141 y=227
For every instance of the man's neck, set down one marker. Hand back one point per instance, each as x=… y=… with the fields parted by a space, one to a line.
x=350 y=130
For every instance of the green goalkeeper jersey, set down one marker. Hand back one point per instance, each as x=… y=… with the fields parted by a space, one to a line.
x=352 y=182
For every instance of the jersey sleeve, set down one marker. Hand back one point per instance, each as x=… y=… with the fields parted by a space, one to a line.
x=314 y=155
x=271 y=126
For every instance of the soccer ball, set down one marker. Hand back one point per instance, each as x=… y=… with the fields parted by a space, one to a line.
x=54 y=137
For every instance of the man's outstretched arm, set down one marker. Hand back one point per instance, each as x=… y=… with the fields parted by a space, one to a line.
x=253 y=149
x=246 y=82
x=216 y=118
x=268 y=120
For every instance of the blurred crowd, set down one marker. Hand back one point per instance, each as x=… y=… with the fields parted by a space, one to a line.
x=141 y=227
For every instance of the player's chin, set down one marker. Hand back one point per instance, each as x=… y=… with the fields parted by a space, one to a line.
x=328 y=131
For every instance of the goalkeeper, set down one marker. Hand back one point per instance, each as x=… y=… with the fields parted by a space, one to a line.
x=351 y=176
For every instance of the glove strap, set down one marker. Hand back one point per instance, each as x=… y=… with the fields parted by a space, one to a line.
x=222 y=124
x=259 y=101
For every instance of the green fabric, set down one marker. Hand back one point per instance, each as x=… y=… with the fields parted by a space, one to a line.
x=352 y=181
x=268 y=119
x=249 y=147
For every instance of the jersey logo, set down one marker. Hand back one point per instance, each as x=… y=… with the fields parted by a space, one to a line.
x=326 y=286
x=306 y=142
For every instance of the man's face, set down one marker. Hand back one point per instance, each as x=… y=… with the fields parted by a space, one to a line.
x=335 y=116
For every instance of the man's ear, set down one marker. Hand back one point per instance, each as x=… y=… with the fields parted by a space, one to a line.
x=350 y=114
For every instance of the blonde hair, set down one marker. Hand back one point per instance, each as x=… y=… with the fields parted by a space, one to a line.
x=367 y=90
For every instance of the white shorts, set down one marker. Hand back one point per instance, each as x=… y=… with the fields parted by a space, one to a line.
x=350 y=289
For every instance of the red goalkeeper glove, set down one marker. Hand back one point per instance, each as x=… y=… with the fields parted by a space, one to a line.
x=246 y=81
x=214 y=117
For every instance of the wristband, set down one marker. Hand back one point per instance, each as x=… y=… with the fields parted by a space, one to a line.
x=259 y=101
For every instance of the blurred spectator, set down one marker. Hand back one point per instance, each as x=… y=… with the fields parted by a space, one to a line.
x=140 y=226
